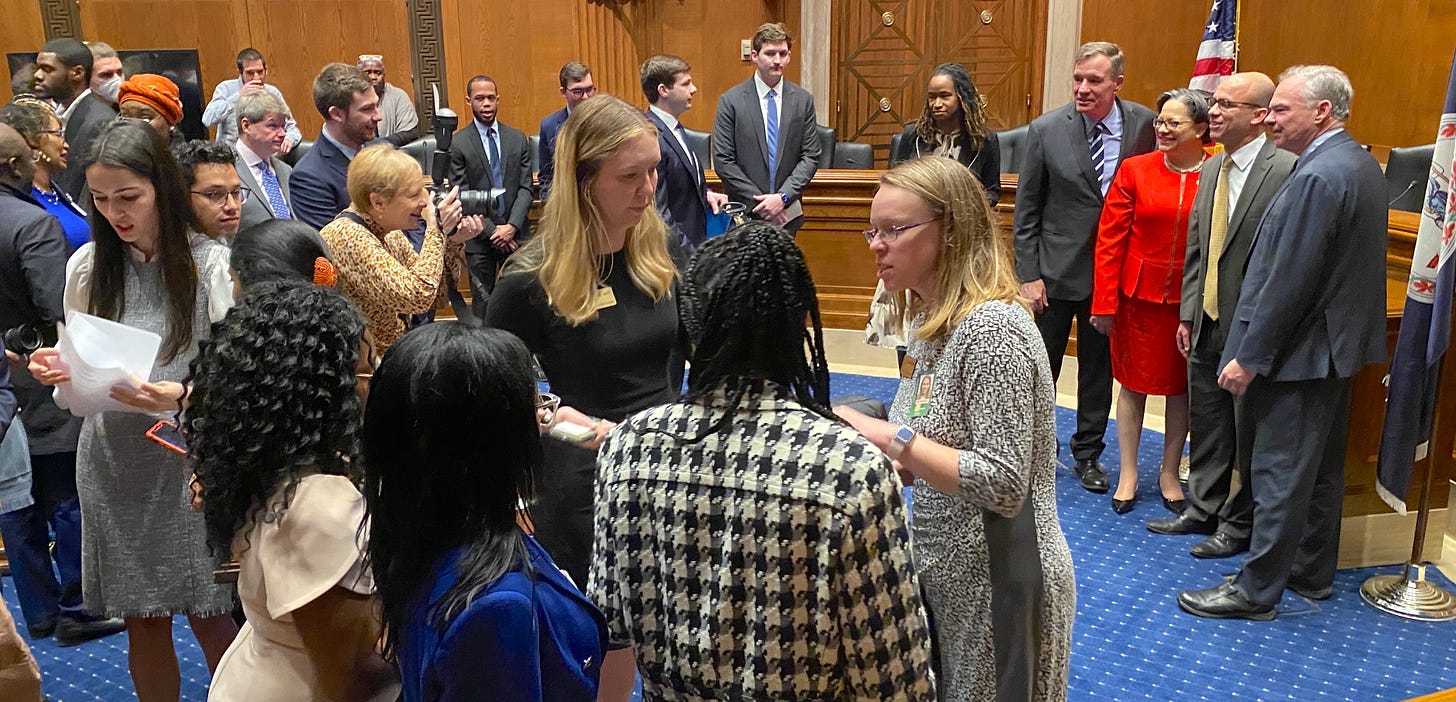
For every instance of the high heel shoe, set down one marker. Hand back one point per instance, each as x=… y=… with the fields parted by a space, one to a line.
x=1175 y=506
x=1123 y=506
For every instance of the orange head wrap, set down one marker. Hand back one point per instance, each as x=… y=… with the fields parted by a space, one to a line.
x=154 y=91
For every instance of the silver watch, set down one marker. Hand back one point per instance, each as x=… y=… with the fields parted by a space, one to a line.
x=902 y=438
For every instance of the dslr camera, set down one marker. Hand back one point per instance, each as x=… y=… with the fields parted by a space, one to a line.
x=472 y=202
x=26 y=339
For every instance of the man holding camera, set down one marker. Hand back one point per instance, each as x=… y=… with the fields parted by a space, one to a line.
x=484 y=155
x=33 y=252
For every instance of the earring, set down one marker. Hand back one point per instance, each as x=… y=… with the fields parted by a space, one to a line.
x=39 y=156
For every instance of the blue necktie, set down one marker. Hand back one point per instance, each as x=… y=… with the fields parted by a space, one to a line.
x=773 y=140
x=497 y=177
x=274 y=193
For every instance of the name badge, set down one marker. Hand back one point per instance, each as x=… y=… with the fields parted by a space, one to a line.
x=921 y=406
x=606 y=298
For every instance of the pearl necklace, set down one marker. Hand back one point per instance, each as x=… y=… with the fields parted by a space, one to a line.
x=1181 y=171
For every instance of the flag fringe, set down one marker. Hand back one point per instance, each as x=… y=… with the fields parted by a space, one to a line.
x=1390 y=499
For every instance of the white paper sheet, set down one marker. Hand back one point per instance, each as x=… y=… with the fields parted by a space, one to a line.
x=101 y=355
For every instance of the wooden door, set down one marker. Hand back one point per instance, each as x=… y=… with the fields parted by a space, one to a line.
x=883 y=52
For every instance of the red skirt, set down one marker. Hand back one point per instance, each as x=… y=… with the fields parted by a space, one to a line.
x=1145 y=357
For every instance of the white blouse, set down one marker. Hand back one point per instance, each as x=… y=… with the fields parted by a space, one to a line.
x=213 y=274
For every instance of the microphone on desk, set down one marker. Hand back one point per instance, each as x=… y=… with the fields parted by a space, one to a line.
x=1402 y=194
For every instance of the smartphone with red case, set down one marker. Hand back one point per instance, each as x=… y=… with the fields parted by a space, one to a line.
x=167 y=433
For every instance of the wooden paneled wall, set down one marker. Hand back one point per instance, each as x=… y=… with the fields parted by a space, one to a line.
x=297 y=36
x=1397 y=54
x=523 y=45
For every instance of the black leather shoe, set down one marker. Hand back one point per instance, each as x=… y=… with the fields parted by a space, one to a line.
x=1220 y=545
x=1223 y=602
x=42 y=630
x=1181 y=524
x=1174 y=506
x=1093 y=479
x=1309 y=591
x=70 y=632
x=1123 y=506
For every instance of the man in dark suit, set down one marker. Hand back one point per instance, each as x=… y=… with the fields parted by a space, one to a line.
x=33 y=252
x=319 y=183
x=1311 y=313
x=486 y=154
x=1072 y=153
x=1235 y=188
x=63 y=74
x=576 y=85
x=683 y=197
x=262 y=119
x=765 y=146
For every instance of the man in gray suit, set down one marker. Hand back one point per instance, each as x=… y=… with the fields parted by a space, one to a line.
x=486 y=154
x=765 y=146
x=63 y=74
x=1235 y=188
x=1072 y=153
x=1311 y=313
x=262 y=130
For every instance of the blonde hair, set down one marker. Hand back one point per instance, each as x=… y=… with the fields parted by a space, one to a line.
x=566 y=250
x=976 y=263
x=380 y=169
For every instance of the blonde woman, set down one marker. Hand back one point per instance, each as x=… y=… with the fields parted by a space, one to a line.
x=591 y=295
x=378 y=268
x=980 y=445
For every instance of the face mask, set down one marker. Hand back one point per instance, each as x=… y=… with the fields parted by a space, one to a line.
x=111 y=89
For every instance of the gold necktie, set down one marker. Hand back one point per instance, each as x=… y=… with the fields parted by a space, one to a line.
x=1217 y=229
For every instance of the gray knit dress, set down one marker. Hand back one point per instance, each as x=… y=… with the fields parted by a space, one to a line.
x=143 y=550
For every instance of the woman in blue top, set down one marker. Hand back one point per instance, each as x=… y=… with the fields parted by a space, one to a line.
x=474 y=609
x=43 y=133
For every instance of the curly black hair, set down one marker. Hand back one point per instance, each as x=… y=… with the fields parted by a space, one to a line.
x=273 y=399
x=745 y=299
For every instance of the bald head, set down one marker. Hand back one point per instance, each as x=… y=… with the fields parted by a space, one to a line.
x=16 y=166
x=1240 y=104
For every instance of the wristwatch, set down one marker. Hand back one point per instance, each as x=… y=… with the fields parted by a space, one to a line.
x=902 y=438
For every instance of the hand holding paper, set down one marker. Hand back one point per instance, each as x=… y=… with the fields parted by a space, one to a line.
x=101 y=355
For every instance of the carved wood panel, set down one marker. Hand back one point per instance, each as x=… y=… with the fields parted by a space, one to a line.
x=427 y=40
x=62 y=18
x=883 y=52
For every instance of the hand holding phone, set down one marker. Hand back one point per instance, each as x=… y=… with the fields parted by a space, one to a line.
x=572 y=432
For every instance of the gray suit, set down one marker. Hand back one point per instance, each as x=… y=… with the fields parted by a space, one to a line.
x=258 y=208
x=1311 y=313
x=1058 y=204
x=1214 y=412
x=740 y=149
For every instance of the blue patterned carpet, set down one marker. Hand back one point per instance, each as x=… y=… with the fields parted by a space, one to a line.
x=1131 y=641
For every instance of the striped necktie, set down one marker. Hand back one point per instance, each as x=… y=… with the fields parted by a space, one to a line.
x=1094 y=144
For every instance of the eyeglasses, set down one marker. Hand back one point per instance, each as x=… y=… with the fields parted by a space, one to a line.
x=893 y=233
x=546 y=406
x=54 y=132
x=1226 y=104
x=219 y=197
x=1169 y=123
x=583 y=92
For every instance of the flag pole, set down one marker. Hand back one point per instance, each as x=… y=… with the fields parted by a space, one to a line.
x=1409 y=594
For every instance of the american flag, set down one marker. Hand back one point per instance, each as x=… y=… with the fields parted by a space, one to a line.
x=1217 y=53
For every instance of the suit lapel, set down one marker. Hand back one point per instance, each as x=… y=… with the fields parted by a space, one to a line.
x=1258 y=172
x=1077 y=135
x=755 y=118
x=282 y=176
x=670 y=139
x=477 y=142
x=245 y=174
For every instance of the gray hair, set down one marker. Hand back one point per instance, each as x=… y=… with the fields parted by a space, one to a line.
x=256 y=106
x=1195 y=101
x=1102 y=48
x=1323 y=83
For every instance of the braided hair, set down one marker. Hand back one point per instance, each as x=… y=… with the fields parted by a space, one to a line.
x=745 y=299
x=973 y=126
x=273 y=398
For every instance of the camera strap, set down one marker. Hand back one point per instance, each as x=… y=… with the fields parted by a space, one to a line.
x=452 y=290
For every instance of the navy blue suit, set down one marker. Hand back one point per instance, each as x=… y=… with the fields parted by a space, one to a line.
x=550 y=127
x=681 y=190
x=526 y=637
x=1311 y=313
x=318 y=187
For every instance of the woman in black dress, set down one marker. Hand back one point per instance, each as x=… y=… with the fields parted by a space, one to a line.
x=591 y=295
x=954 y=125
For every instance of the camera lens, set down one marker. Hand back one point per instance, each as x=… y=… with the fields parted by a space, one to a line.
x=24 y=339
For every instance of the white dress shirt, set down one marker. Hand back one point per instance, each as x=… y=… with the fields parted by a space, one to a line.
x=1242 y=160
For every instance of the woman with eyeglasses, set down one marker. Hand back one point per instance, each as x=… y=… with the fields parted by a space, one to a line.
x=592 y=296
x=152 y=99
x=144 y=552
x=42 y=131
x=1142 y=240
x=287 y=507
x=980 y=444
x=378 y=267
x=954 y=125
x=473 y=607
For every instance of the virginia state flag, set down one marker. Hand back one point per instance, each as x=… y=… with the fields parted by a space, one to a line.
x=1425 y=329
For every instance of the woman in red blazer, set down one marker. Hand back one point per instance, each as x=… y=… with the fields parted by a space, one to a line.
x=1138 y=280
